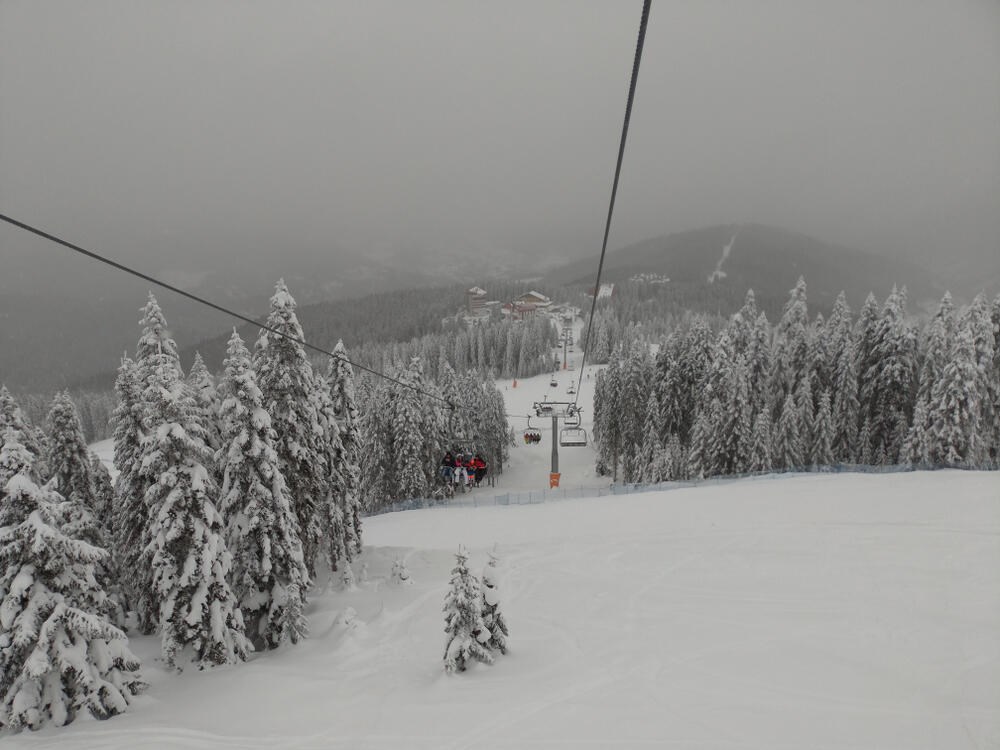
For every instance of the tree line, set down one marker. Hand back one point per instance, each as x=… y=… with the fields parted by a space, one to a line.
x=232 y=496
x=875 y=390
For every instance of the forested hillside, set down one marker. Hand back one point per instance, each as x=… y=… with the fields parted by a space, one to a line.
x=710 y=269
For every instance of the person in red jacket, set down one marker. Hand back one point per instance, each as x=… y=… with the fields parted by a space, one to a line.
x=479 y=468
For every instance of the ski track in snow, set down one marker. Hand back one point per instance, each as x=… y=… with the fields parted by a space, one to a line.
x=833 y=612
x=718 y=273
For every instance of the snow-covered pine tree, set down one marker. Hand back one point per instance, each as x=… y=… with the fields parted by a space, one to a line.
x=891 y=379
x=845 y=406
x=938 y=340
x=987 y=383
x=72 y=478
x=345 y=405
x=994 y=440
x=58 y=654
x=68 y=457
x=821 y=451
x=492 y=613
x=678 y=457
x=16 y=459
x=864 y=350
x=789 y=363
x=806 y=413
x=666 y=378
x=733 y=432
x=286 y=381
x=104 y=495
x=787 y=453
x=699 y=464
x=464 y=627
x=130 y=517
x=607 y=431
x=650 y=470
x=819 y=366
x=335 y=544
x=759 y=365
x=865 y=454
x=408 y=437
x=155 y=348
x=184 y=568
x=953 y=436
x=260 y=527
x=12 y=416
x=202 y=386
x=759 y=458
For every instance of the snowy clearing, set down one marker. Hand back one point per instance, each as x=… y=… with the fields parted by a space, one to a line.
x=810 y=611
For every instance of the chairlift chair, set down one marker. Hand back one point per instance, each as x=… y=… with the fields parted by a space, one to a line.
x=531 y=434
x=573 y=437
x=572 y=420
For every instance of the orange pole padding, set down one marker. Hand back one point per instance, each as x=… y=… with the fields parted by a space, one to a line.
x=554 y=479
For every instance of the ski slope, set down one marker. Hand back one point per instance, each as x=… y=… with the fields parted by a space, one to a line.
x=810 y=611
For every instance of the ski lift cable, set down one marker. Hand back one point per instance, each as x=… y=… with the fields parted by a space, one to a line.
x=614 y=188
x=208 y=303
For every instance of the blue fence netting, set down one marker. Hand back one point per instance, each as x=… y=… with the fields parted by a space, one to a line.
x=532 y=497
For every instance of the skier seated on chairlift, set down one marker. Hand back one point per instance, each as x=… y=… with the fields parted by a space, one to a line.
x=477 y=467
x=447 y=466
x=461 y=473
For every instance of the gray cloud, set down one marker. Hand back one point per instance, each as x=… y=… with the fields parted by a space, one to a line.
x=181 y=132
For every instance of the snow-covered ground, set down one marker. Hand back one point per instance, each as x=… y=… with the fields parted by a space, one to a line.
x=816 y=611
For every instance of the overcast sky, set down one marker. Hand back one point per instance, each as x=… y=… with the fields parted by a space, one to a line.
x=176 y=128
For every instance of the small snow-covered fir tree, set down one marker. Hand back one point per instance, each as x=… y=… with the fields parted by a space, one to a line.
x=466 y=632
x=492 y=614
x=260 y=528
x=58 y=654
x=347 y=578
x=400 y=574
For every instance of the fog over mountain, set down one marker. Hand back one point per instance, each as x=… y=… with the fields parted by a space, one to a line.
x=176 y=135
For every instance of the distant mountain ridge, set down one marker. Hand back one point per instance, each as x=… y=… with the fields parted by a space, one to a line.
x=766 y=259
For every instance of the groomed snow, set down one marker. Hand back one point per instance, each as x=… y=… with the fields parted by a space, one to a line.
x=837 y=611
